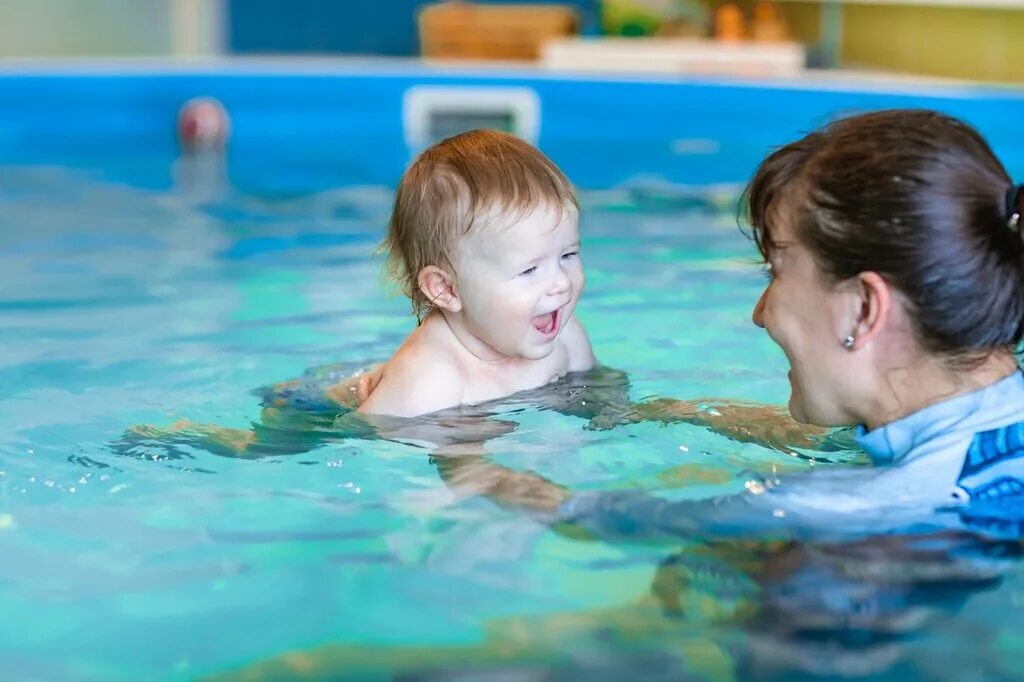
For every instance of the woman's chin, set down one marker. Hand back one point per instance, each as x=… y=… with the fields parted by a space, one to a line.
x=796 y=411
x=801 y=414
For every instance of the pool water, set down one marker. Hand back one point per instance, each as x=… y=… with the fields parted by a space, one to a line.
x=125 y=305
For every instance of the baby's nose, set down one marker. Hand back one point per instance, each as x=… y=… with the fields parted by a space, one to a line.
x=560 y=283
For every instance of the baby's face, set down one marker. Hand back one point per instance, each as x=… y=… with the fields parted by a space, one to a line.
x=519 y=283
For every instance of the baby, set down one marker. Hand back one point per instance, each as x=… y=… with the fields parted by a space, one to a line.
x=484 y=240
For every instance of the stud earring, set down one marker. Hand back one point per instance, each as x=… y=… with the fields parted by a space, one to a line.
x=848 y=342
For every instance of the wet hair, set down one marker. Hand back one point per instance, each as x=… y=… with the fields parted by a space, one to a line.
x=474 y=179
x=919 y=198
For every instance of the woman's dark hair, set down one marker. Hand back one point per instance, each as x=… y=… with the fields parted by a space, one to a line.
x=919 y=198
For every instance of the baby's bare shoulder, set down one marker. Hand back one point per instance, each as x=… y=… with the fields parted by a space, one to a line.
x=577 y=345
x=423 y=376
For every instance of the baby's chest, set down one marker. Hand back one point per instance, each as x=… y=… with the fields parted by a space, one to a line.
x=500 y=384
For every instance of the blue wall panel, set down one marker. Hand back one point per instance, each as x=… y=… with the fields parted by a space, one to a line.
x=301 y=130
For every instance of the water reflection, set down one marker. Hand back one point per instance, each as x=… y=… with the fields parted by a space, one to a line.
x=755 y=610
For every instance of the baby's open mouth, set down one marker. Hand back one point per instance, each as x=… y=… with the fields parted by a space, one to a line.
x=546 y=324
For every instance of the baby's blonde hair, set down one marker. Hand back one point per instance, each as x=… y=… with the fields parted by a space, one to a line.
x=456 y=185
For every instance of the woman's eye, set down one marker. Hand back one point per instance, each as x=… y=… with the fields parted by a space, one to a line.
x=529 y=271
x=571 y=254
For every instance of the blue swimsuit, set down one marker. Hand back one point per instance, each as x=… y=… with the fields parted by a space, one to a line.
x=956 y=464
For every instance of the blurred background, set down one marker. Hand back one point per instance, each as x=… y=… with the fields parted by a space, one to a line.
x=972 y=39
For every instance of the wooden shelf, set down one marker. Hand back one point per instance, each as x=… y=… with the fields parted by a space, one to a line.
x=674 y=55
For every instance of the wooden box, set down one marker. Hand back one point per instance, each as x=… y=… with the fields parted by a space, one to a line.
x=464 y=30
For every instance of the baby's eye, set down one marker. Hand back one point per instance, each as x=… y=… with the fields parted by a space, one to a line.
x=529 y=271
x=570 y=254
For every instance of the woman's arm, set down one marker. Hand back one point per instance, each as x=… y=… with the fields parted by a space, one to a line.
x=469 y=471
x=765 y=425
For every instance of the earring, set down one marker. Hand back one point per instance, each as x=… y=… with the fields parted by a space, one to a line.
x=848 y=342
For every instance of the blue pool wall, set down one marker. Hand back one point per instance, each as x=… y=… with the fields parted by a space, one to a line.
x=307 y=128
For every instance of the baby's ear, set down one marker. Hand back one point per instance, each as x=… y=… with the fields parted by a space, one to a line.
x=439 y=287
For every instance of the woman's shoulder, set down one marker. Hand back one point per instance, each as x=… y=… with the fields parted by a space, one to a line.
x=994 y=465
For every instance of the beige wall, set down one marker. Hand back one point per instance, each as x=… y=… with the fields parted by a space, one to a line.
x=108 y=28
x=959 y=42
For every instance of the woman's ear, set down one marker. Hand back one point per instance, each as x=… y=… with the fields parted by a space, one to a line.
x=439 y=287
x=875 y=299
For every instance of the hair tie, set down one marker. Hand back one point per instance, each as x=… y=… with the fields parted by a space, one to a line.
x=1013 y=206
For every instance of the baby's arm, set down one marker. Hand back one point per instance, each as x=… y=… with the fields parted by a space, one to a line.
x=416 y=381
x=577 y=344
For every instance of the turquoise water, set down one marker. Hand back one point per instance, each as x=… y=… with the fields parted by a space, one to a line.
x=124 y=306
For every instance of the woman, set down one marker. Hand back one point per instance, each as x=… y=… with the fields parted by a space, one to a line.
x=893 y=242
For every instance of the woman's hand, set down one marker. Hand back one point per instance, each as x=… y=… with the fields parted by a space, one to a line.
x=475 y=474
x=765 y=425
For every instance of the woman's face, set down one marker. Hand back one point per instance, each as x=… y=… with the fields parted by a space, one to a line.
x=801 y=311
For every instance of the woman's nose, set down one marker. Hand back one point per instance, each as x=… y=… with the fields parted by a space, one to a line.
x=758 y=316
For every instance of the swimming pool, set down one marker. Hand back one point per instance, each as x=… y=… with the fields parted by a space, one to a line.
x=133 y=294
